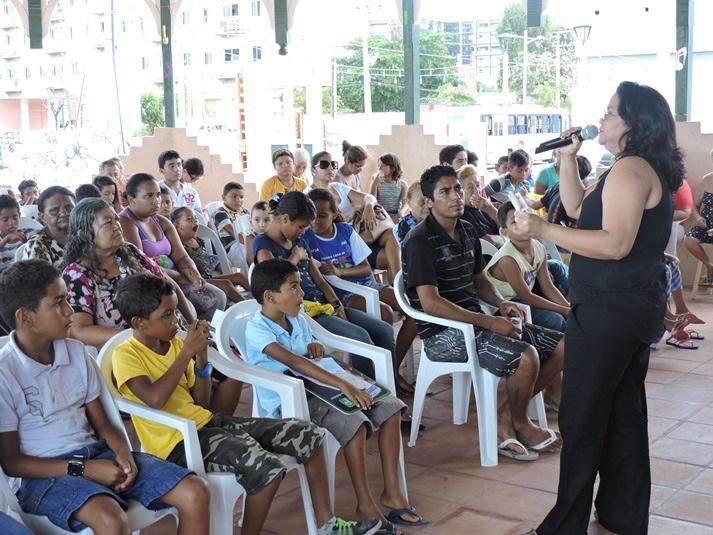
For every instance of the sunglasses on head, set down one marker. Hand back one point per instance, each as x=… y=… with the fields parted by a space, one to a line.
x=326 y=164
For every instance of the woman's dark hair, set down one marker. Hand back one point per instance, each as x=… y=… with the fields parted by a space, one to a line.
x=432 y=175
x=51 y=192
x=584 y=166
x=270 y=275
x=102 y=181
x=448 y=153
x=652 y=131
x=80 y=246
x=132 y=186
x=323 y=195
x=317 y=157
x=24 y=284
x=138 y=295
x=260 y=205
x=194 y=167
x=353 y=153
x=392 y=161
x=87 y=191
x=295 y=204
x=178 y=213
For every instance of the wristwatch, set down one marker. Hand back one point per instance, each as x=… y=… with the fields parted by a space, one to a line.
x=205 y=372
x=75 y=466
x=336 y=305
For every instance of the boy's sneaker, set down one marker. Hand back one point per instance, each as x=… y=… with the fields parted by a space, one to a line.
x=349 y=527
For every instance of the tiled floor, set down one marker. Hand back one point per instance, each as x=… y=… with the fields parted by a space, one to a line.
x=450 y=488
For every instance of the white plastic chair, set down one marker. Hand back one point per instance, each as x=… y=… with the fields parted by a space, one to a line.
x=200 y=217
x=211 y=238
x=29 y=223
x=29 y=210
x=230 y=332
x=487 y=248
x=139 y=516
x=242 y=225
x=552 y=250
x=20 y=251
x=464 y=374
x=224 y=489
x=212 y=207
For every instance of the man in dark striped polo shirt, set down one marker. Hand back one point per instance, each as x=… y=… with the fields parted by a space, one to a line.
x=443 y=276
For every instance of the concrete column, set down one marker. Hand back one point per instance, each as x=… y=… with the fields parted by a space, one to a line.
x=24 y=114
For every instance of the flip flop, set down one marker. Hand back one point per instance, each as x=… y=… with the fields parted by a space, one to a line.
x=684 y=343
x=694 y=335
x=388 y=529
x=551 y=439
x=394 y=516
x=516 y=455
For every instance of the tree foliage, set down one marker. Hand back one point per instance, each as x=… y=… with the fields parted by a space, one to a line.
x=541 y=56
x=438 y=80
x=151 y=113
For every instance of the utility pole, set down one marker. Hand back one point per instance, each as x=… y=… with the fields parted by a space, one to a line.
x=524 y=68
x=684 y=40
x=365 y=63
x=412 y=89
x=169 y=101
x=558 y=62
x=334 y=87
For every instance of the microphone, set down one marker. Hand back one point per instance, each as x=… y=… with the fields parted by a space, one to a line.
x=588 y=132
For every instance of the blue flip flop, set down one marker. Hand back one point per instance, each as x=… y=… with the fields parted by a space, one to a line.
x=394 y=516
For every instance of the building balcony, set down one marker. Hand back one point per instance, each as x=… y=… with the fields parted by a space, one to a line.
x=8 y=22
x=10 y=53
x=230 y=26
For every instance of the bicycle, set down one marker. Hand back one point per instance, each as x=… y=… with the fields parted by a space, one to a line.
x=76 y=150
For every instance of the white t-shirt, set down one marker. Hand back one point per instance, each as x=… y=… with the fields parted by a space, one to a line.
x=187 y=197
x=45 y=404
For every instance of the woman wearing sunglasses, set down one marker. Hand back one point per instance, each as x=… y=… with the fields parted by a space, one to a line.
x=386 y=251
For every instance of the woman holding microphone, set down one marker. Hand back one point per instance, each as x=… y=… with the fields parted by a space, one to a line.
x=618 y=296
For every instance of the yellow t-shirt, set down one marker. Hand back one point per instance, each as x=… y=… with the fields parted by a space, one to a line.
x=273 y=185
x=133 y=359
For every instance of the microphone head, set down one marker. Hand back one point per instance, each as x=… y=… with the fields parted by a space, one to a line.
x=589 y=132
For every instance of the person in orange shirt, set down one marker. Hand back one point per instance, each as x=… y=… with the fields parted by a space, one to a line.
x=284 y=163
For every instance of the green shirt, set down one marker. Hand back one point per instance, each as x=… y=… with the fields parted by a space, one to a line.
x=548 y=177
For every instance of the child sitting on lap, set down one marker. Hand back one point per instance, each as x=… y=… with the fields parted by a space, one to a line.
x=280 y=338
x=76 y=467
x=159 y=369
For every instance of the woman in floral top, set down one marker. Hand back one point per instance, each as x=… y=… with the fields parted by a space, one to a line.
x=54 y=206
x=96 y=259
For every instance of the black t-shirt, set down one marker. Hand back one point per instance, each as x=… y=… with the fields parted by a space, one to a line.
x=482 y=222
x=430 y=257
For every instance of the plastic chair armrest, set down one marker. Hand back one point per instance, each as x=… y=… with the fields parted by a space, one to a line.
x=370 y=295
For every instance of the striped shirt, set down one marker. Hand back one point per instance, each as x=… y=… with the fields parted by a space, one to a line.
x=389 y=196
x=430 y=257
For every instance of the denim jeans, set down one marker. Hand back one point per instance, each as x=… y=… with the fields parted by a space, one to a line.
x=559 y=271
x=9 y=526
x=363 y=328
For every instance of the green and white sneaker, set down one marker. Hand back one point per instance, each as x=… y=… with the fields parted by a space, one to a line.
x=350 y=527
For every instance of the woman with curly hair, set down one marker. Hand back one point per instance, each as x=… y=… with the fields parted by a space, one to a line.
x=618 y=296
x=96 y=259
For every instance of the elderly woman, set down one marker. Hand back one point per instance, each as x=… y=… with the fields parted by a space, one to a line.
x=618 y=296
x=302 y=159
x=386 y=253
x=54 y=206
x=156 y=236
x=95 y=260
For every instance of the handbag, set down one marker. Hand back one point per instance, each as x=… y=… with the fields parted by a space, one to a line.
x=383 y=223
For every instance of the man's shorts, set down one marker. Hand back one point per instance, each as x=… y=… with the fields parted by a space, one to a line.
x=498 y=354
x=58 y=498
x=345 y=426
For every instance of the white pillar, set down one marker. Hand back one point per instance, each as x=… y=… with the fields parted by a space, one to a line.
x=24 y=114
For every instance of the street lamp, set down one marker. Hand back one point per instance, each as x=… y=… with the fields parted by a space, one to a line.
x=525 y=41
x=582 y=32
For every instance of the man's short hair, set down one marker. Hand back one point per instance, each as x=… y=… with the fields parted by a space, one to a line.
x=503 y=212
x=51 y=192
x=28 y=183
x=503 y=160
x=448 y=153
x=432 y=175
x=111 y=162
x=140 y=294
x=230 y=186
x=194 y=167
x=86 y=191
x=165 y=156
x=518 y=158
x=8 y=201
x=23 y=285
x=279 y=153
x=270 y=275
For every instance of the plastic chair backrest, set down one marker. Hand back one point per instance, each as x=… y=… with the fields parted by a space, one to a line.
x=242 y=225
x=212 y=207
x=29 y=223
x=487 y=248
x=20 y=251
x=211 y=238
x=29 y=210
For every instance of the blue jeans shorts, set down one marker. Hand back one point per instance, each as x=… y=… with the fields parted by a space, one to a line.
x=59 y=498
x=344 y=295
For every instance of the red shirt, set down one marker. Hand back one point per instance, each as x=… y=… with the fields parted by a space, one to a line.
x=683 y=198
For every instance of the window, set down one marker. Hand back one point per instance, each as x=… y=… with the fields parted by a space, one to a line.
x=255 y=8
x=145 y=62
x=232 y=55
x=230 y=10
x=8 y=39
x=75 y=68
x=186 y=59
x=42 y=71
x=205 y=14
x=185 y=17
x=124 y=26
x=56 y=70
x=10 y=74
x=101 y=27
x=6 y=9
x=208 y=58
x=257 y=53
x=141 y=24
x=27 y=72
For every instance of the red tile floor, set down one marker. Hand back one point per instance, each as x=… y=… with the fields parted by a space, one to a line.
x=449 y=487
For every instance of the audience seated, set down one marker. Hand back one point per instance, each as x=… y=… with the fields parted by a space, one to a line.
x=513 y=180
x=549 y=176
x=166 y=207
x=11 y=235
x=443 y=276
x=156 y=368
x=502 y=166
x=700 y=232
x=478 y=210
x=284 y=180
x=260 y=219
x=54 y=208
x=454 y=155
x=87 y=191
x=76 y=466
x=192 y=171
x=156 y=237
x=417 y=211
x=170 y=166
x=224 y=222
x=108 y=190
x=114 y=169
x=96 y=258
x=29 y=192
x=302 y=159
x=389 y=188
x=280 y=339
x=350 y=171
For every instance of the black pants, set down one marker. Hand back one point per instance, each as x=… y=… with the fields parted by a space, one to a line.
x=603 y=416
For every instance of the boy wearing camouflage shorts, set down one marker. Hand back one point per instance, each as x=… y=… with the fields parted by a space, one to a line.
x=158 y=369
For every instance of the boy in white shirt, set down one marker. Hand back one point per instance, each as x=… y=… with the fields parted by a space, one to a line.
x=170 y=166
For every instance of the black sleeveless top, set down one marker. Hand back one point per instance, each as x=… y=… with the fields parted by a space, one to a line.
x=642 y=270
